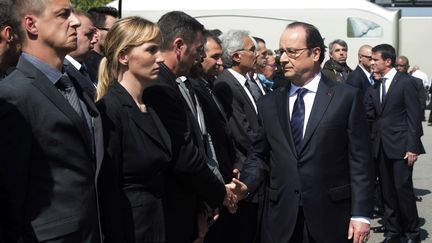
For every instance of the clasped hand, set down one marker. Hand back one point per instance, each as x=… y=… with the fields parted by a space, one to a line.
x=236 y=190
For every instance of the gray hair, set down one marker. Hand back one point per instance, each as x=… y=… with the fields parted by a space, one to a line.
x=232 y=41
x=339 y=42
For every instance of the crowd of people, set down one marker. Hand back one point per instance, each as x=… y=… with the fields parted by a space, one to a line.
x=121 y=130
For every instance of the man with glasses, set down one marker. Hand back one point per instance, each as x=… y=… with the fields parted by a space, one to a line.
x=336 y=67
x=361 y=76
x=312 y=150
x=103 y=19
x=234 y=92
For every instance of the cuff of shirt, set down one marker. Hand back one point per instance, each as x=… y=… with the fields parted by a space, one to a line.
x=361 y=219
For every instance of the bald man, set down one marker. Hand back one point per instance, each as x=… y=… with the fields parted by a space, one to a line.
x=361 y=76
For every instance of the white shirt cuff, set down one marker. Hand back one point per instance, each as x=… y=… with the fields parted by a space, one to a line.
x=361 y=219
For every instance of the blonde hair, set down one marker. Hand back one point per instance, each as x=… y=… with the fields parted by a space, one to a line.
x=126 y=33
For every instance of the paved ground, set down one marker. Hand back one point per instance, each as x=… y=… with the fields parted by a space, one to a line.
x=423 y=185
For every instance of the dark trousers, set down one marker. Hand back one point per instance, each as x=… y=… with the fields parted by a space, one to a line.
x=400 y=209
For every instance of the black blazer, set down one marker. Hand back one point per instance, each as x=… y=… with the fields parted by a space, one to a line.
x=189 y=177
x=48 y=163
x=240 y=112
x=217 y=128
x=396 y=124
x=358 y=79
x=332 y=175
x=84 y=82
x=131 y=186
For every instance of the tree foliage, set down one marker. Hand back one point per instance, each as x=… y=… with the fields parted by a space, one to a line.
x=87 y=4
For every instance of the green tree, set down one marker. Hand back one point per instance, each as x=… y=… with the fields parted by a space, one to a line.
x=87 y=4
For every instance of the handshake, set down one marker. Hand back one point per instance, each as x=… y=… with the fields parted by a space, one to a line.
x=235 y=191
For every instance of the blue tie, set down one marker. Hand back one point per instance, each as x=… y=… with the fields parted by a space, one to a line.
x=297 y=118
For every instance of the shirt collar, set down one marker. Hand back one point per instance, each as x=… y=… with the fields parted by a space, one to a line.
x=181 y=79
x=74 y=62
x=312 y=86
x=51 y=73
x=238 y=76
x=390 y=74
x=368 y=74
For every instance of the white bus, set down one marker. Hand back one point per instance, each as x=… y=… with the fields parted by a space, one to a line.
x=357 y=22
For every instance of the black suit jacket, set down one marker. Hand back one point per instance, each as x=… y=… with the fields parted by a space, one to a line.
x=240 y=112
x=48 y=163
x=84 y=82
x=189 y=177
x=138 y=153
x=358 y=79
x=331 y=177
x=217 y=128
x=396 y=124
x=92 y=62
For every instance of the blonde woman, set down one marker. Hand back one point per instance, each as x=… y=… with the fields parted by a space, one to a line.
x=137 y=147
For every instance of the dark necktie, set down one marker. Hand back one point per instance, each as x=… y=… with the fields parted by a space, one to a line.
x=297 y=118
x=83 y=70
x=66 y=86
x=252 y=86
x=383 y=89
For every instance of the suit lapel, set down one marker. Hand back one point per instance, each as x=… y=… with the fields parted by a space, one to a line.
x=376 y=97
x=323 y=97
x=84 y=82
x=390 y=89
x=282 y=101
x=47 y=88
x=135 y=114
x=240 y=89
x=162 y=131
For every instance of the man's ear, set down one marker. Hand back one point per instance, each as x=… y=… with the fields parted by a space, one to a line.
x=316 y=52
x=30 y=24
x=7 y=34
x=236 y=57
x=178 y=45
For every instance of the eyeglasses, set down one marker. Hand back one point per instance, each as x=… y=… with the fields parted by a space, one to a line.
x=368 y=57
x=291 y=52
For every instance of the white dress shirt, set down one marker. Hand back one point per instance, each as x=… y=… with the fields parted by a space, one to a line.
x=242 y=80
x=308 y=98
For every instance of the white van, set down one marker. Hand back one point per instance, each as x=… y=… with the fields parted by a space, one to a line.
x=357 y=22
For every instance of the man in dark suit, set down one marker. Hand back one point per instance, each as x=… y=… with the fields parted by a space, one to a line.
x=85 y=43
x=361 y=76
x=74 y=61
x=312 y=150
x=235 y=91
x=402 y=65
x=220 y=141
x=103 y=19
x=394 y=110
x=180 y=48
x=51 y=140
